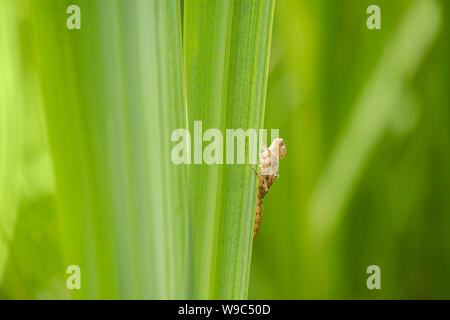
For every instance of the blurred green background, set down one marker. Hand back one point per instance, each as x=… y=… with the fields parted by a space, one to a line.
x=365 y=115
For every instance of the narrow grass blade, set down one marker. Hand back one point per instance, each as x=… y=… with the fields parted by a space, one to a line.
x=226 y=60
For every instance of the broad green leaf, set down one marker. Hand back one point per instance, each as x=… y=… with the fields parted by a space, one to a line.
x=11 y=122
x=113 y=93
x=138 y=225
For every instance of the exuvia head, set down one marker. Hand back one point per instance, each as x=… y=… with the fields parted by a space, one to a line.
x=279 y=147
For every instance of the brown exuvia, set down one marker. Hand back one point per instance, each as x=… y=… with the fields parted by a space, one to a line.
x=268 y=173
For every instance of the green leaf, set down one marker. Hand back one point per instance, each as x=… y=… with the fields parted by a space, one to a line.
x=113 y=93
x=11 y=121
x=226 y=45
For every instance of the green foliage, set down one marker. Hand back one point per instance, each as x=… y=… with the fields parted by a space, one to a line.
x=86 y=176
x=364 y=114
x=138 y=225
x=226 y=57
